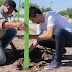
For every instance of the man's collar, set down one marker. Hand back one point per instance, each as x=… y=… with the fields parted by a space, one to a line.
x=4 y=8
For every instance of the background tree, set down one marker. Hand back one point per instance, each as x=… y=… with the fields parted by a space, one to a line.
x=68 y=9
x=45 y=9
x=34 y=5
x=69 y=12
x=42 y=9
x=48 y=9
x=22 y=5
x=62 y=13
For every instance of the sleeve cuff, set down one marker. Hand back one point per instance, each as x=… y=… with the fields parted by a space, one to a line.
x=50 y=25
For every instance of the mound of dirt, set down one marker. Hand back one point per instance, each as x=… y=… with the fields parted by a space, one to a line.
x=37 y=59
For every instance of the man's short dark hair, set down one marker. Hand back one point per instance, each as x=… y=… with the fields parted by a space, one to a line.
x=33 y=11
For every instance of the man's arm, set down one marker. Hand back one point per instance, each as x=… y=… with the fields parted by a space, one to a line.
x=32 y=47
x=9 y=24
x=13 y=47
x=21 y=25
x=44 y=36
x=47 y=35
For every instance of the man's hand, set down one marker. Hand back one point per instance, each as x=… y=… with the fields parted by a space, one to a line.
x=22 y=25
x=33 y=46
x=17 y=53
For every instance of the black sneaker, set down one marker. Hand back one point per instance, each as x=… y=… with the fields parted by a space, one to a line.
x=53 y=65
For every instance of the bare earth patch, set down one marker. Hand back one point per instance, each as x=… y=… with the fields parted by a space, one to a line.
x=40 y=57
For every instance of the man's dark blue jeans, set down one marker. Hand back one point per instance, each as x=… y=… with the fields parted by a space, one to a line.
x=6 y=39
x=62 y=39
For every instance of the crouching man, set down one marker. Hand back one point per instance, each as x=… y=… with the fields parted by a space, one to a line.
x=7 y=32
x=58 y=34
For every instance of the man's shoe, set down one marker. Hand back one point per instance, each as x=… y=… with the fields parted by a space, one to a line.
x=53 y=65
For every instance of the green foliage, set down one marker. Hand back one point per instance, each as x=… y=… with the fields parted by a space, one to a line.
x=48 y=9
x=22 y=5
x=69 y=12
x=62 y=13
x=1 y=2
x=15 y=15
x=68 y=9
x=42 y=9
x=34 y=5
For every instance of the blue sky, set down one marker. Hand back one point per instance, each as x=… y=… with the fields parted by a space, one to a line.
x=57 y=5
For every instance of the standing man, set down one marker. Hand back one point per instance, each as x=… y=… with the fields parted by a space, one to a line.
x=7 y=32
x=58 y=34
